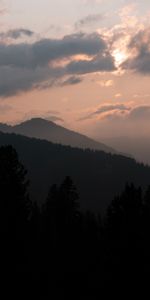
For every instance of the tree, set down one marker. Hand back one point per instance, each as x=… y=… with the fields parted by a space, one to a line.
x=14 y=199
x=61 y=209
x=124 y=213
x=49 y=217
x=60 y=215
x=124 y=231
x=68 y=199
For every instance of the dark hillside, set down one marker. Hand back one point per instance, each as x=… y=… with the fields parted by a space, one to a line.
x=99 y=176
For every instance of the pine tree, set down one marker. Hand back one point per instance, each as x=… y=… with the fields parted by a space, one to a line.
x=68 y=199
x=14 y=199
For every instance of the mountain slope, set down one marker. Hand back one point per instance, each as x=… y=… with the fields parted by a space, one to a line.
x=138 y=147
x=47 y=130
x=99 y=176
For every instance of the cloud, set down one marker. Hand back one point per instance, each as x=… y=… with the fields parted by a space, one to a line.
x=14 y=80
x=44 y=51
x=139 y=47
x=59 y=82
x=4 y=108
x=54 y=118
x=72 y=80
x=119 y=36
x=99 y=63
x=89 y=20
x=105 y=83
x=140 y=113
x=3 y=8
x=16 y=33
x=118 y=95
x=3 y=11
x=128 y=113
x=132 y=123
x=50 y=115
x=92 y=2
x=137 y=113
x=105 y=109
x=25 y=66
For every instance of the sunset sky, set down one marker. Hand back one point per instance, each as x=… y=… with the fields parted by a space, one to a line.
x=82 y=63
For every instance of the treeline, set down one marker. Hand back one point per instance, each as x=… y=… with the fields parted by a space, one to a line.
x=99 y=176
x=57 y=249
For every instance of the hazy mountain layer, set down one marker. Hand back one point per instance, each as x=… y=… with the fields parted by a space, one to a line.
x=139 y=147
x=43 y=129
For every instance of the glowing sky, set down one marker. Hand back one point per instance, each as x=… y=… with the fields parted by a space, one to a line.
x=84 y=64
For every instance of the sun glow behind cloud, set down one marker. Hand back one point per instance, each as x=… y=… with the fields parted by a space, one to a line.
x=120 y=56
x=65 y=61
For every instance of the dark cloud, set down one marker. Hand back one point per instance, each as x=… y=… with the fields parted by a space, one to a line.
x=42 y=52
x=16 y=33
x=97 y=64
x=89 y=20
x=59 y=82
x=140 y=53
x=14 y=80
x=72 y=80
x=25 y=66
x=140 y=63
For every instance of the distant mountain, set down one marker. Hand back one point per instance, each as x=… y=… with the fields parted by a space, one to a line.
x=138 y=147
x=47 y=130
x=99 y=176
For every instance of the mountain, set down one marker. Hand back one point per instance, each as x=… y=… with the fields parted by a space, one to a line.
x=138 y=147
x=47 y=130
x=99 y=176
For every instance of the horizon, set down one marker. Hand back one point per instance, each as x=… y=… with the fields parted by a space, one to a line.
x=87 y=69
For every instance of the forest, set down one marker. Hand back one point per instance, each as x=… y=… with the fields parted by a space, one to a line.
x=59 y=251
x=99 y=176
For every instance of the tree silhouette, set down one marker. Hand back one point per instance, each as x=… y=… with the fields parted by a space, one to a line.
x=14 y=204
x=49 y=219
x=60 y=223
x=68 y=200
x=124 y=233
x=62 y=206
x=60 y=246
x=124 y=212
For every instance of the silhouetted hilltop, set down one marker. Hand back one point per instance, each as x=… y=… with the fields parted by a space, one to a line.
x=48 y=130
x=99 y=176
x=5 y=127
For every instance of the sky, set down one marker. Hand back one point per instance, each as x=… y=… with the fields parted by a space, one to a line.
x=84 y=64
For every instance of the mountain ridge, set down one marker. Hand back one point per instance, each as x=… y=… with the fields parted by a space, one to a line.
x=50 y=131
